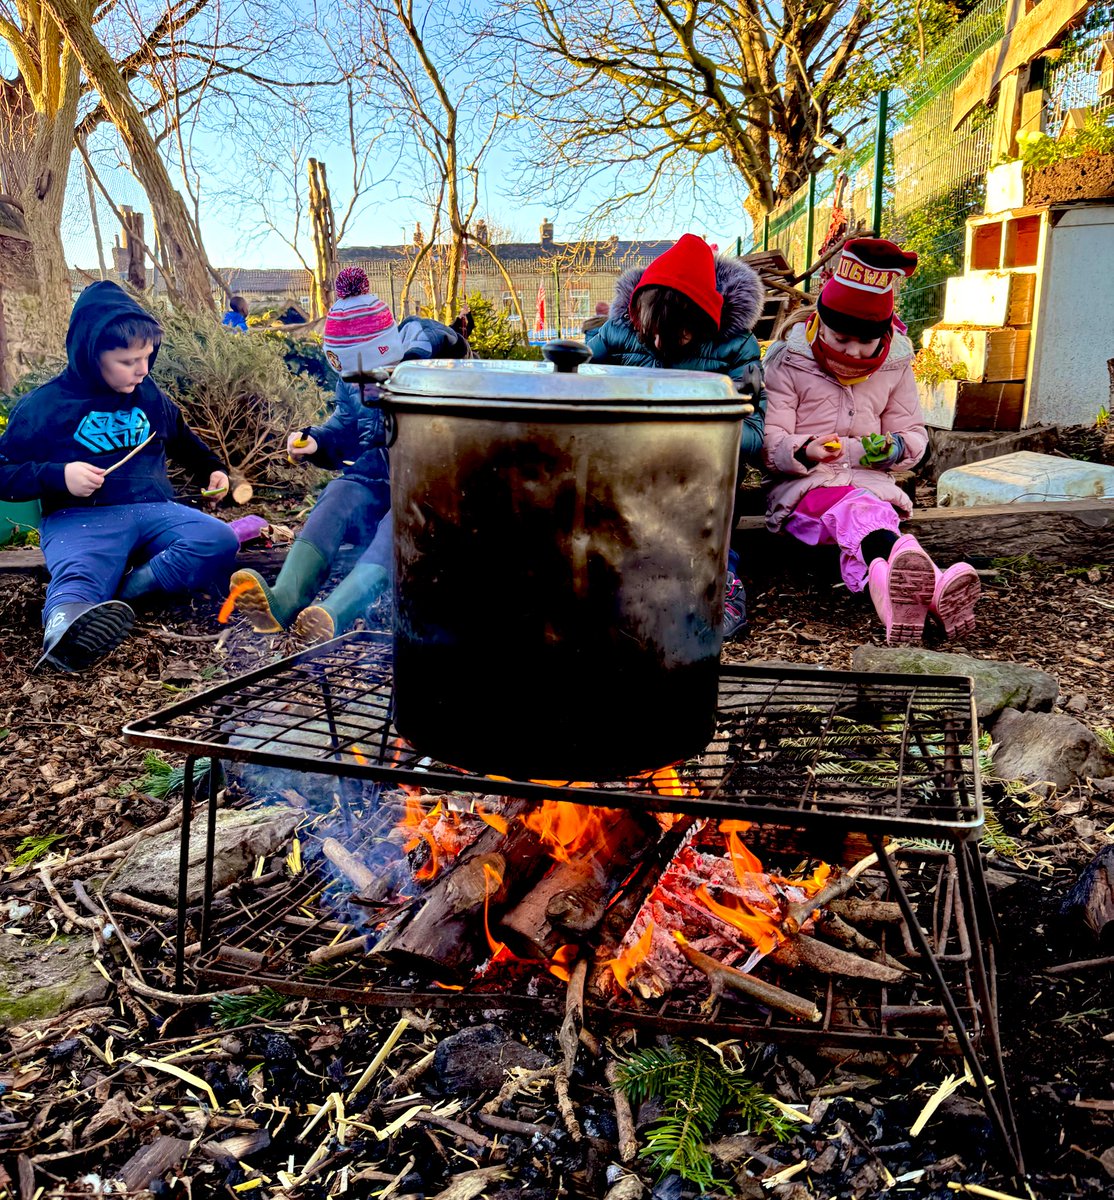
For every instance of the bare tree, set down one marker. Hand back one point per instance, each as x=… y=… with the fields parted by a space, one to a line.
x=167 y=55
x=648 y=91
x=431 y=70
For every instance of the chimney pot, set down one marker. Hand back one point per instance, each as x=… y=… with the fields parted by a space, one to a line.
x=547 y=232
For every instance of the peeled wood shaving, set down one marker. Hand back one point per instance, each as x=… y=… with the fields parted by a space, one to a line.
x=194 y=1081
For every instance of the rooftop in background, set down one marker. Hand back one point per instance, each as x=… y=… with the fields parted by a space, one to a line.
x=544 y=247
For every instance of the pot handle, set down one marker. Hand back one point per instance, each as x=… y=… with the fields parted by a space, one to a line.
x=566 y=355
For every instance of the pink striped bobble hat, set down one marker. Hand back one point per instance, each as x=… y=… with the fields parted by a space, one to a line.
x=360 y=333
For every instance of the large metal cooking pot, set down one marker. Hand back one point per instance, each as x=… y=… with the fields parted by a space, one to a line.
x=561 y=535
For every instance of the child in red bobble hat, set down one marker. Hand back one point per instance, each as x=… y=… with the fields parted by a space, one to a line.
x=691 y=310
x=842 y=417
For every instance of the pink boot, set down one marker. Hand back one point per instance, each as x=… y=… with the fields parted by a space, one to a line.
x=902 y=590
x=954 y=598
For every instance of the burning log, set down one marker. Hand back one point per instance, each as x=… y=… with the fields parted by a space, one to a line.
x=447 y=935
x=722 y=978
x=361 y=878
x=802 y=951
x=571 y=900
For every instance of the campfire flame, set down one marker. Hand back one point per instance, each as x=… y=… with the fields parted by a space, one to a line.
x=229 y=605
x=759 y=921
x=627 y=961
x=438 y=828
x=569 y=831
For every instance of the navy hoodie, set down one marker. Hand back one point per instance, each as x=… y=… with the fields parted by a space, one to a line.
x=77 y=417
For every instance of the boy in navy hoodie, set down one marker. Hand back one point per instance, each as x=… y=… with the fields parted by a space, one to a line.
x=110 y=536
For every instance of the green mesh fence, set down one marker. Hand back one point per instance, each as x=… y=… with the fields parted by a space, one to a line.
x=934 y=175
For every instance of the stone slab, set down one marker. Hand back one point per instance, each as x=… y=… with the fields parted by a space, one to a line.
x=41 y=979
x=242 y=835
x=1044 y=747
x=997 y=685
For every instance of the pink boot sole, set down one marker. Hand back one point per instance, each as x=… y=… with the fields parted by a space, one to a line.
x=910 y=585
x=955 y=597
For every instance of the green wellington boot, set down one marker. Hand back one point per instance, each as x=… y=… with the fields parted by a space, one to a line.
x=272 y=609
x=351 y=598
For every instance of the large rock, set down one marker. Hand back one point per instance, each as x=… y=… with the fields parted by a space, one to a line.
x=242 y=835
x=998 y=685
x=1048 y=748
x=41 y=979
x=478 y=1058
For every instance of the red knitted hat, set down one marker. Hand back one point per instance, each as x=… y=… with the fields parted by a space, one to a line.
x=858 y=300
x=690 y=268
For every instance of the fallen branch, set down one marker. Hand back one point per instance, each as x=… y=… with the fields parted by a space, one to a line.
x=722 y=978
x=330 y=953
x=624 y=1118
x=867 y=912
x=348 y=864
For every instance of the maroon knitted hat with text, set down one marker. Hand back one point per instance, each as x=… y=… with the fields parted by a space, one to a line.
x=858 y=300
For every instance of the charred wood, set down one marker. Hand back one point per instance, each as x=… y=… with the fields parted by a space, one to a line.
x=723 y=978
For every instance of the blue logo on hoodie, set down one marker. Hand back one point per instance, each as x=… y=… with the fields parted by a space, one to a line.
x=104 y=431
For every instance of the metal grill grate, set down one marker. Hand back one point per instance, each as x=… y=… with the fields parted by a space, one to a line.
x=889 y=753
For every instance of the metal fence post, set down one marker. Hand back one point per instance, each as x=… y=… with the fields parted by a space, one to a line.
x=766 y=232
x=879 y=161
x=810 y=228
x=557 y=294
x=738 y=247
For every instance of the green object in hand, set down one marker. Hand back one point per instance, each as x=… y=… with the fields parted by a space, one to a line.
x=878 y=447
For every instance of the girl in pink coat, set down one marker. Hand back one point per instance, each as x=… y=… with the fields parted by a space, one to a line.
x=842 y=416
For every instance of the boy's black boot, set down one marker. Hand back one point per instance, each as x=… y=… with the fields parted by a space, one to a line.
x=138 y=582
x=80 y=634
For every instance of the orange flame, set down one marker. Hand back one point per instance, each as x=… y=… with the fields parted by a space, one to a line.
x=437 y=828
x=227 y=607
x=624 y=964
x=562 y=960
x=758 y=927
x=492 y=878
x=568 y=831
x=667 y=782
x=498 y=823
x=358 y=755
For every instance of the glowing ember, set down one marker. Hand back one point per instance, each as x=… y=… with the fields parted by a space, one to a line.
x=438 y=828
x=227 y=607
x=624 y=964
x=667 y=782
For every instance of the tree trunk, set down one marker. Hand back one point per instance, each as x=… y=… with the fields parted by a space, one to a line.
x=324 y=240
x=36 y=167
x=191 y=285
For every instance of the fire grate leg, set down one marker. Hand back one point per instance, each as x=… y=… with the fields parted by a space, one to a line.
x=1006 y=1130
x=215 y=771
x=183 y=876
x=969 y=864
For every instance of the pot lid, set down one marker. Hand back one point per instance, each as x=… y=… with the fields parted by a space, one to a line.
x=567 y=378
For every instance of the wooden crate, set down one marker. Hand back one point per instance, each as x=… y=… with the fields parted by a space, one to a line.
x=990 y=298
x=969 y=407
x=990 y=355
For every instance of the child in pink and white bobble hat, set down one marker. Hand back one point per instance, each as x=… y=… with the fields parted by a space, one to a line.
x=360 y=332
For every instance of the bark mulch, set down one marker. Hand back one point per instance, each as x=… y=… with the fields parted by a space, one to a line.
x=175 y=1096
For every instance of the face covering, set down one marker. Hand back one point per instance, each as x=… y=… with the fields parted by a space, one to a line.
x=845 y=367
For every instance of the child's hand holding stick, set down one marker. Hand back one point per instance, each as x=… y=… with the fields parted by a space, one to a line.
x=300 y=446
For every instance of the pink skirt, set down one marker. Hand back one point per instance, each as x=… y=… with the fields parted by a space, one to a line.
x=842 y=516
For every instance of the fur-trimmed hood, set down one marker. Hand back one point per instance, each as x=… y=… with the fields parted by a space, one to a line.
x=738 y=284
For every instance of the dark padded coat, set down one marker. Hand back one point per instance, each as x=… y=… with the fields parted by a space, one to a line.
x=734 y=351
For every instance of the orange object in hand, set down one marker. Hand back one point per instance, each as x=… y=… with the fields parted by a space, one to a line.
x=834 y=444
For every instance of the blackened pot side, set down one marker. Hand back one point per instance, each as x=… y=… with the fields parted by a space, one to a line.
x=559 y=582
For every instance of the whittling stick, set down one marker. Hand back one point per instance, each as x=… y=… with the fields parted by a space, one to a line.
x=130 y=454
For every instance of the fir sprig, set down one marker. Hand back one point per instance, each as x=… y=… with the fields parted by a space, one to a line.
x=230 y=1011
x=697 y=1088
x=160 y=779
x=34 y=847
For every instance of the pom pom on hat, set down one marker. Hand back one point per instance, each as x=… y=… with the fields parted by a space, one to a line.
x=858 y=300
x=688 y=267
x=352 y=281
